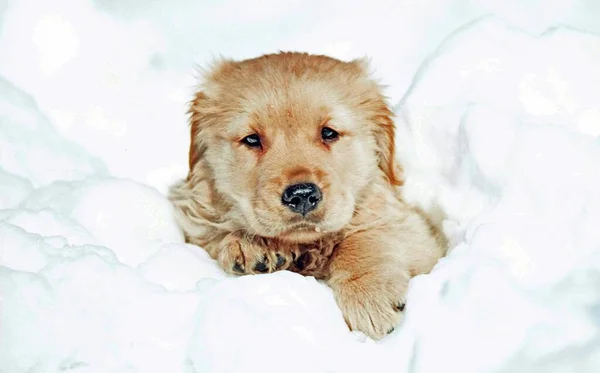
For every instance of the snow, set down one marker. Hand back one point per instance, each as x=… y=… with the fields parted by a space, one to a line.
x=498 y=127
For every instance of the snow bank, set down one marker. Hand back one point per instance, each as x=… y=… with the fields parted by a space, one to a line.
x=498 y=130
x=30 y=148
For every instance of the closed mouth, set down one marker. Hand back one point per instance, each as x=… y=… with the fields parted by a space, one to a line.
x=303 y=228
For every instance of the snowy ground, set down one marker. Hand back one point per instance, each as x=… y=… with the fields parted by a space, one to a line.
x=498 y=125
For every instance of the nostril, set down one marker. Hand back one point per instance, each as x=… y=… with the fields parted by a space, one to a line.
x=313 y=200
x=296 y=201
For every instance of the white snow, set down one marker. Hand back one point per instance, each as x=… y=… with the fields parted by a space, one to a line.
x=498 y=127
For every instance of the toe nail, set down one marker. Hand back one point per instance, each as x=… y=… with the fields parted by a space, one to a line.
x=262 y=266
x=280 y=261
x=237 y=267
x=390 y=331
x=400 y=306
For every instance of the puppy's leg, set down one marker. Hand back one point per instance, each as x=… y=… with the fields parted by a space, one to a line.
x=241 y=254
x=369 y=283
x=370 y=271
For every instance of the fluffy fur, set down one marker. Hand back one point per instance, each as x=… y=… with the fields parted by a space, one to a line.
x=363 y=239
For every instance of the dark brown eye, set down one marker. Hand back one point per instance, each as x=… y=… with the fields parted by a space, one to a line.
x=328 y=135
x=252 y=141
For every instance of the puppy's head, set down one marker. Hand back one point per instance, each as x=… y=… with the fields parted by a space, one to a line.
x=292 y=141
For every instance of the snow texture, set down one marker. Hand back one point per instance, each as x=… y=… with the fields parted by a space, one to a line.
x=498 y=127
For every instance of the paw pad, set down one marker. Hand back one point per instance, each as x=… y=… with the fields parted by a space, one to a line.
x=280 y=261
x=262 y=266
x=237 y=267
x=302 y=261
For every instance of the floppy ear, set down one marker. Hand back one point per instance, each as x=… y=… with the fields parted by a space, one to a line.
x=384 y=137
x=202 y=110
x=384 y=129
x=196 y=117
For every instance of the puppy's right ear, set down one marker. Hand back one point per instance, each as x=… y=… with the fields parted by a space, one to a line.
x=196 y=118
x=203 y=110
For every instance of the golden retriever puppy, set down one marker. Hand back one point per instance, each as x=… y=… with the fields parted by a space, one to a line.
x=292 y=166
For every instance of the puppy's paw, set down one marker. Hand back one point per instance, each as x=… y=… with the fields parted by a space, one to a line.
x=311 y=262
x=240 y=255
x=372 y=303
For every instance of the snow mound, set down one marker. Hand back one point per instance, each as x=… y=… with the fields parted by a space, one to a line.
x=31 y=149
x=499 y=131
x=499 y=134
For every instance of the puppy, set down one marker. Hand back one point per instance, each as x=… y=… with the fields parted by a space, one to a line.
x=292 y=166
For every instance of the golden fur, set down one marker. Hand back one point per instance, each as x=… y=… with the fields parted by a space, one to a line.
x=362 y=239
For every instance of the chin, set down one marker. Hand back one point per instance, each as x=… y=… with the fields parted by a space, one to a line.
x=308 y=232
x=304 y=234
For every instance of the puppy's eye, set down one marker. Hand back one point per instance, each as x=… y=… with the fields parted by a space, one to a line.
x=327 y=134
x=252 y=141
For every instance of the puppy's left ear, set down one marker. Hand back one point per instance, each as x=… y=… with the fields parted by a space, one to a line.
x=384 y=137
x=384 y=128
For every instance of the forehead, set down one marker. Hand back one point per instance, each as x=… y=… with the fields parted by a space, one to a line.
x=296 y=107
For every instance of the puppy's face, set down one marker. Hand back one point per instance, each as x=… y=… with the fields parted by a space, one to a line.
x=292 y=140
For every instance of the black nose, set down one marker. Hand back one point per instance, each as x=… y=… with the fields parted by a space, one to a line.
x=301 y=198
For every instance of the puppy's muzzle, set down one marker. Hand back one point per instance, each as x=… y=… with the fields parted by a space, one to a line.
x=301 y=198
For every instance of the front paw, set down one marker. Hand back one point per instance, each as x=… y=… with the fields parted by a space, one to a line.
x=372 y=303
x=241 y=255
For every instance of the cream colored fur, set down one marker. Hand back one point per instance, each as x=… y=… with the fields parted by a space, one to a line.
x=363 y=239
